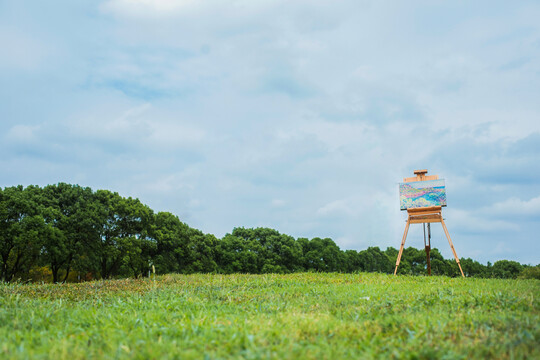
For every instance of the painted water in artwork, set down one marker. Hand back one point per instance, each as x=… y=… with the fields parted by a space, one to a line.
x=420 y=194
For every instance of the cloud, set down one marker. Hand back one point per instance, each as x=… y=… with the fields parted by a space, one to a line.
x=146 y=8
x=22 y=52
x=336 y=208
x=279 y=203
x=479 y=222
x=515 y=207
x=135 y=127
x=22 y=133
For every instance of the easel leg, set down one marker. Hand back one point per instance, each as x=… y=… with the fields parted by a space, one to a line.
x=428 y=249
x=402 y=244
x=451 y=246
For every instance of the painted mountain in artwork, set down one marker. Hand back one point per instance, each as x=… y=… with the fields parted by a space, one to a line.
x=420 y=194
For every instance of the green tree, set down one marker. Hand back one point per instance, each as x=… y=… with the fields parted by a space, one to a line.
x=135 y=222
x=124 y=225
x=353 y=261
x=506 y=269
x=70 y=215
x=174 y=251
x=374 y=260
x=20 y=228
x=530 y=272
x=275 y=252
x=322 y=255
x=472 y=268
x=203 y=250
x=238 y=255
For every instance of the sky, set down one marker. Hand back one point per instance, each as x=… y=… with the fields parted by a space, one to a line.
x=302 y=116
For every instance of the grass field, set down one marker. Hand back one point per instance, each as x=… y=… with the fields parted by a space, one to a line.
x=311 y=316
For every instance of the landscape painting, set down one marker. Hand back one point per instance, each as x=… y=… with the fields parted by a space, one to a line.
x=421 y=194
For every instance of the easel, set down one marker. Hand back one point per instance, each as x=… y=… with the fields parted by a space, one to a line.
x=422 y=216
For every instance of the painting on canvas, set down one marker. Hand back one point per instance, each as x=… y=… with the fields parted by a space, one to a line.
x=419 y=194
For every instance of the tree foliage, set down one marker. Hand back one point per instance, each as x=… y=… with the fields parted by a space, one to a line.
x=68 y=232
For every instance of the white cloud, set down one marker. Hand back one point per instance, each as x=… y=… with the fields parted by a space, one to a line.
x=336 y=208
x=22 y=133
x=173 y=134
x=141 y=9
x=336 y=135
x=146 y=8
x=138 y=125
x=515 y=207
x=477 y=221
x=278 y=203
x=22 y=51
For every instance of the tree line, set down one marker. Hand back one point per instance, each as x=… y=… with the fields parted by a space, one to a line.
x=66 y=232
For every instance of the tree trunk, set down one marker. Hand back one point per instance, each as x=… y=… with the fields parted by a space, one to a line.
x=67 y=274
x=5 y=258
x=104 y=274
x=15 y=267
x=54 y=270
x=68 y=267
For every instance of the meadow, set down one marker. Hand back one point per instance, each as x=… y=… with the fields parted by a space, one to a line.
x=295 y=316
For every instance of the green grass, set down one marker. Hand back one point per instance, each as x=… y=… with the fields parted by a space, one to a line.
x=312 y=316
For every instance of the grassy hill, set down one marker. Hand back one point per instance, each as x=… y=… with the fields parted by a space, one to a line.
x=308 y=315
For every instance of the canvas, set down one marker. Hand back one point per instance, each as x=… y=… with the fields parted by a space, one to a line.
x=419 y=194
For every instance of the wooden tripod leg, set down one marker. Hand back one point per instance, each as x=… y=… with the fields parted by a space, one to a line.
x=402 y=244
x=451 y=245
x=428 y=249
x=428 y=259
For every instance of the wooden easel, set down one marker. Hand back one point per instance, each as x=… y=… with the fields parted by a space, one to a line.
x=422 y=216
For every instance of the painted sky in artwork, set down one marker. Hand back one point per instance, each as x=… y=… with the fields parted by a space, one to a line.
x=302 y=116
x=419 y=194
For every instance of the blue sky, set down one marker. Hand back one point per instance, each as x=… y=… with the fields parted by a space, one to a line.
x=300 y=116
